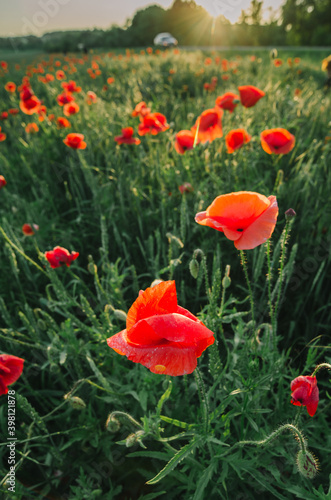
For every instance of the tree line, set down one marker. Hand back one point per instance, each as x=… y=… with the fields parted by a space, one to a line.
x=299 y=22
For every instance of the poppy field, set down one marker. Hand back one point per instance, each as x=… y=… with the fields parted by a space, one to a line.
x=165 y=285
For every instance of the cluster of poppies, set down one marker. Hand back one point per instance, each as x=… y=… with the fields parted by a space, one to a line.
x=208 y=126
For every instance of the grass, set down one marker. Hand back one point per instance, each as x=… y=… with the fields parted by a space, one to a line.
x=121 y=209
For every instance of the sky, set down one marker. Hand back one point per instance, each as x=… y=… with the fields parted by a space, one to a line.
x=35 y=17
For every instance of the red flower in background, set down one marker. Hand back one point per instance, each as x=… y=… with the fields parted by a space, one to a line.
x=2 y=136
x=153 y=124
x=30 y=229
x=209 y=125
x=3 y=181
x=305 y=393
x=71 y=108
x=60 y=75
x=30 y=105
x=110 y=80
x=91 y=97
x=64 y=98
x=277 y=141
x=186 y=188
x=70 y=86
x=127 y=137
x=278 y=62
x=75 y=141
x=246 y=218
x=235 y=139
x=59 y=256
x=62 y=122
x=4 y=115
x=141 y=109
x=31 y=128
x=249 y=95
x=161 y=335
x=10 y=87
x=13 y=111
x=184 y=141
x=227 y=101
x=11 y=368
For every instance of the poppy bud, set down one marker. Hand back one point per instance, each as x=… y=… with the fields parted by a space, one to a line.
x=307 y=464
x=132 y=439
x=226 y=282
x=112 y=423
x=76 y=403
x=290 y=213
x=92 y=268
x=119 y=314
x=194 y=268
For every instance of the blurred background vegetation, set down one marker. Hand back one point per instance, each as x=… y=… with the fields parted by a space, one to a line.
x=299 y=22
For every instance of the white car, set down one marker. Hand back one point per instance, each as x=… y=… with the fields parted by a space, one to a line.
x=165 y=39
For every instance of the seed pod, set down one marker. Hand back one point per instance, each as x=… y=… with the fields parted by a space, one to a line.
x=307 y=464
x=194 y=268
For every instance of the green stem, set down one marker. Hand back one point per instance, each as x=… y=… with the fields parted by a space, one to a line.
x=244 y=264
x=203 y=398
x=281 y=268
x=20 y=251
x=271 y=310
x=319 y=367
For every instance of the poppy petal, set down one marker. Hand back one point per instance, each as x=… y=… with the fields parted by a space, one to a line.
x=260 y=230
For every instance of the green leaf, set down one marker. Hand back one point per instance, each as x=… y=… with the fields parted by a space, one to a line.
x=177 y=423
x=203 y=481
x=178 y=457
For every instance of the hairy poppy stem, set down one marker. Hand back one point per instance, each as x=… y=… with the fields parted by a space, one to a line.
x=285 y=236
x=202 y=397
x=244 y=264
x=275 y=434
x=320 y=366
x=269 y=278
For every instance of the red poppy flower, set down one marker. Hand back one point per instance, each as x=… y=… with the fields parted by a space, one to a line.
x=75 y=141
x=127 y=137
x=209 y=125
x=31 y=128
x=13 y=111
x=249 y=95
x=71 y=108
x=305 y=393
x=11 y=368
x=71 y=86
x=161 y=335
x=30 y=106
x=141 y=109
x=2 y=136
x=91 y=97
x=62 y=122
x=184 y=141
x=3 y=181
x=30 y=229
x=64 y=98
x=10 y=87
x=4 y=115
x=153 y=124
x=59 y=256
x=246 y=218
x=49 y=77
x=60 y=75
x=235 y=139
x=110 y=80
x=227 y=101
x=186 y=188
x=278 y=62
x=277 y=141
x=4 y=65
